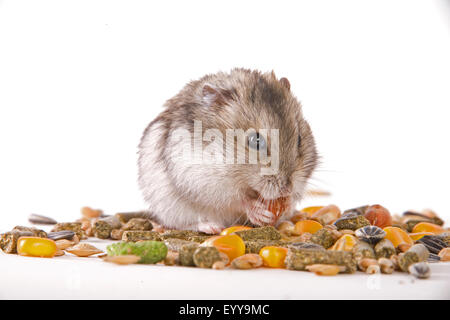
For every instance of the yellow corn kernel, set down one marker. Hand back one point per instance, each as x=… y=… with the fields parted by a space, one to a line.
x=344 y=243
x=273 y=257
x=397 y=236
x=36 y=247
x=311 y=210
x=428 y=227
x=232 y=245
x=418 y=235
x=309 y=226
x=232 y=229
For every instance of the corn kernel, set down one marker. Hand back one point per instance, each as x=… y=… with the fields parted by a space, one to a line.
x=311 y=210
x=273 y=257
x=310 y=226
x=36 y=247
x=232 y=245
x=344 y=243
x=419 y=235
x=428 y=227
x=232 y=229
x=397 y=236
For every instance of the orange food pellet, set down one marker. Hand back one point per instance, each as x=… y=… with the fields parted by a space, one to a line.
x=311 y=210
x=232 y=229
x=397 y=236
x=232 y=245
x=419 y=235
x=344 y=243
x=428 y=227
x=378 y=216
x=310 y=226
x=273 y=257
x=36 y=247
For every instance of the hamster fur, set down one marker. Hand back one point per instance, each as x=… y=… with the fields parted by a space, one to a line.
x=212 y=196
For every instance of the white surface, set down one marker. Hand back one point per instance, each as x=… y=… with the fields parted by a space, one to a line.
x=70 y=277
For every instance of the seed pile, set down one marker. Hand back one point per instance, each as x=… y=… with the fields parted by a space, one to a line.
x=319 y=239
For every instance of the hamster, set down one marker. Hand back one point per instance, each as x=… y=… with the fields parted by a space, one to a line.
x=210 y=196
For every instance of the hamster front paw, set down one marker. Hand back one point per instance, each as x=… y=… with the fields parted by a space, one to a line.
x=258 y=214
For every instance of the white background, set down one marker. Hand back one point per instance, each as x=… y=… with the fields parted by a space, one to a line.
x=80 y=80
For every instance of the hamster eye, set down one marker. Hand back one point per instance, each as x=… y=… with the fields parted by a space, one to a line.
x=255 y=141
x=299 y=141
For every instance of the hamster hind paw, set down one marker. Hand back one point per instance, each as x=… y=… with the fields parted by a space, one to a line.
x=210 y=227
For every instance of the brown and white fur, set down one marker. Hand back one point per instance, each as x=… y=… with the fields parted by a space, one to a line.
x=210 y=197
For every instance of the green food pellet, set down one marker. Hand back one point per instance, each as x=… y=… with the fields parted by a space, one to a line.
x=324 y=237
x=351 y=222
x=262 y=233
x=149 y=251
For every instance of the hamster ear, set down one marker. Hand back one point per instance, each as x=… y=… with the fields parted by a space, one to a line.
x=216 y=96
x=285 y=83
